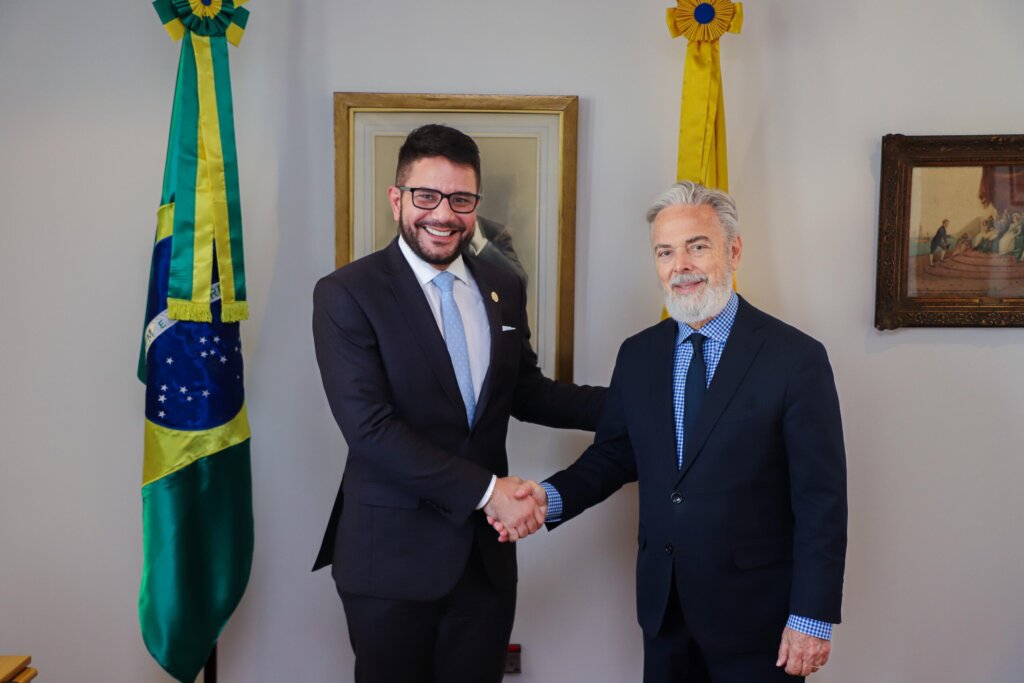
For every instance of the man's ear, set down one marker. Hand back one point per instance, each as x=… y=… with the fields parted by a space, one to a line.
x=395 y=200
x=735 y=251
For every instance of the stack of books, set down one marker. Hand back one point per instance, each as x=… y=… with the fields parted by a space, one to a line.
x=16 y=669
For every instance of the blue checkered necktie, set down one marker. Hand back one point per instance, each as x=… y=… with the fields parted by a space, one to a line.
x=455 y=339
x=693 y=392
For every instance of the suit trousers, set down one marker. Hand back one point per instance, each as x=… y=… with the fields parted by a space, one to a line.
x=673 y=655
x=460 y=638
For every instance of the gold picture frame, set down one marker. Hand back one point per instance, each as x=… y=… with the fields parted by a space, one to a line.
x=528 y=159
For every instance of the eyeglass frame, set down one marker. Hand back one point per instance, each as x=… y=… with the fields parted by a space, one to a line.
x=412 y=197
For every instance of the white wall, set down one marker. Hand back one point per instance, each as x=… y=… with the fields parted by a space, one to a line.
x=932 y=416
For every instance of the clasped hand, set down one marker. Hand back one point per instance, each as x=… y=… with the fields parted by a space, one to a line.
x=516 y=508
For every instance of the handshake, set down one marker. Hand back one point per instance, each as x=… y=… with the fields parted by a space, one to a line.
x=516 y=508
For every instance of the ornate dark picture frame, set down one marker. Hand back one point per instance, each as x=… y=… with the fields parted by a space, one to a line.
x=950 y=233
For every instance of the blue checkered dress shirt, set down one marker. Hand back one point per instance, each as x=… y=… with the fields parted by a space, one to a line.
x=717 y=332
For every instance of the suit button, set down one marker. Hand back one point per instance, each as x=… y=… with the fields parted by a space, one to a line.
x=677 y=497
x=668 y=548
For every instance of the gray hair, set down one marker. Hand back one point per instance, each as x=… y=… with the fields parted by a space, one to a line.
x=687 y=193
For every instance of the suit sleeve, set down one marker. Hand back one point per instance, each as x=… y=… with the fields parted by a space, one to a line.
x=354 y=379
x=813 y=434
x=544 y=401
x=607 y=464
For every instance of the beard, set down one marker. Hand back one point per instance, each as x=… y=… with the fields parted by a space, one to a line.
x=703 y=305
x=418 y=240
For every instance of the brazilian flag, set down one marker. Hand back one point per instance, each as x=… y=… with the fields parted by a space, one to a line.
x=197 y=482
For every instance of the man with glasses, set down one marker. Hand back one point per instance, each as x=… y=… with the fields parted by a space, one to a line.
x=424 y=353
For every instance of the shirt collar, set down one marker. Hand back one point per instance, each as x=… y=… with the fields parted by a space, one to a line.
x=425 y=272
x=718 y=328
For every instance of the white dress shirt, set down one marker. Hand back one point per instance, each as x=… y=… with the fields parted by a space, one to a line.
x=471 y=308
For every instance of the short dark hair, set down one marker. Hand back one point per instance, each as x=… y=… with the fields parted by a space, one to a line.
x=436 y=140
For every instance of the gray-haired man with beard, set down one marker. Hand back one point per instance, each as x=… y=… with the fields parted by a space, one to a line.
x=729 y=420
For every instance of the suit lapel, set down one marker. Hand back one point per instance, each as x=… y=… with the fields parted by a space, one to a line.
x=662 y=403
x=412 y=306
x=494 y=323
x=741 y=349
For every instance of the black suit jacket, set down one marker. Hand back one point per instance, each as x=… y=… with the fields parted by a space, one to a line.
x=754 y=526
x=404 y=519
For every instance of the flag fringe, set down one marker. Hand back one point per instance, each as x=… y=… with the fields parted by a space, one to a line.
x=189 y=310
x=234 y=312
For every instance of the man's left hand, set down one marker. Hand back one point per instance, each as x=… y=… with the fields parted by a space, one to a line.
x=802 y=654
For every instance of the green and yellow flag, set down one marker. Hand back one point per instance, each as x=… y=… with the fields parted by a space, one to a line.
x=197 y=484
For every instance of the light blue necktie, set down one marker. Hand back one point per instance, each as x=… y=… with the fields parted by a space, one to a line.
x=455 y=339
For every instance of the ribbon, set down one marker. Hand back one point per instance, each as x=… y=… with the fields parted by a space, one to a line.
x=702 y=146
x=201 y=177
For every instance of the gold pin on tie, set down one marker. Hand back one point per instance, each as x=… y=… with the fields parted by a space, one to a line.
x=494 y=297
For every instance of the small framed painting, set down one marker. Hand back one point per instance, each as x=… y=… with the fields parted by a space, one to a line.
x=951 y=232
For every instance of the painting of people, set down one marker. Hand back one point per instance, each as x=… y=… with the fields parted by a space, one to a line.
x=966 y=231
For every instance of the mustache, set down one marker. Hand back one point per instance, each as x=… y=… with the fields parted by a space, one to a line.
x=688 y=279
x=457 y=227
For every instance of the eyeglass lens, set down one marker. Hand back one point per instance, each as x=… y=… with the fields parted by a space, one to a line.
x=461 y=202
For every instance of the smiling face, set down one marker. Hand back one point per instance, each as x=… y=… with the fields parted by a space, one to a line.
x=435 y=235
x=694 y=261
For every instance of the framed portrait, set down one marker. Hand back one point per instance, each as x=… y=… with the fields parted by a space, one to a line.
x=951 y=232
x=528 y=211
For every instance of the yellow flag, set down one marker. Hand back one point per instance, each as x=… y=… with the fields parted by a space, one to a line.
x=702 y=147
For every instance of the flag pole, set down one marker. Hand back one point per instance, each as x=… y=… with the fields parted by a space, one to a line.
x=210 y=670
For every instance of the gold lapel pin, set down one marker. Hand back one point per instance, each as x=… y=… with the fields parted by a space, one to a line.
x=494 y=297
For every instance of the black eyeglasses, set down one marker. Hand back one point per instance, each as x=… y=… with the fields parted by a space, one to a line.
x=426 y=198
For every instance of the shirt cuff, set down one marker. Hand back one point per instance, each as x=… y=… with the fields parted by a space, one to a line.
x=487 y=493
x=554 y=503
x=811 y=627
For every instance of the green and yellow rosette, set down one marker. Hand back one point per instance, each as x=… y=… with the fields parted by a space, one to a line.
x=201 y=203
x=702 y=147
x=204 y=18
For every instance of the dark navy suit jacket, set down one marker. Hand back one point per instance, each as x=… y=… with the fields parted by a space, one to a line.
x=754 y=525
x=404 y=519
